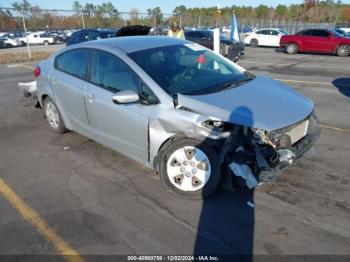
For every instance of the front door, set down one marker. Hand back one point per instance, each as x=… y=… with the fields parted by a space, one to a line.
x=123 y=127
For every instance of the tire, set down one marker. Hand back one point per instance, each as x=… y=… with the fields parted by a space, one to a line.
x=223 y=48
x=9 y=45
x=53 y=116
x=292 y=48
x=23 y=43
x=235 y=60
x=193 y=175
x=343 y=50
x=46 y=43
x=254 y=42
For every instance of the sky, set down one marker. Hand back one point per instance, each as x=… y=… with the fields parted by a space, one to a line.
x=167 y=6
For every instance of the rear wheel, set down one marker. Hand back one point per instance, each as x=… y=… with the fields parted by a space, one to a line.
x=189 y=168
x=254 y=42
x=53 y=116
x=343 y=50
x=292 y=48
x=46 y=43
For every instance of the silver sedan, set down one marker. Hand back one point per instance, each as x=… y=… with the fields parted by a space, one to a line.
x=175 y=106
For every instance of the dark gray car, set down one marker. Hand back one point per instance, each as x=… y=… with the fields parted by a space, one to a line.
x=177 y=107
x=231 y=49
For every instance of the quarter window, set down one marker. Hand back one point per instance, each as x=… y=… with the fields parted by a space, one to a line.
x=73 y=62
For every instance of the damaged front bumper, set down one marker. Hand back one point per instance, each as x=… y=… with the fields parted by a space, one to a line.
x=253 y=162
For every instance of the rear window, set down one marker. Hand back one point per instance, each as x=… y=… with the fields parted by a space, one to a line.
x=73 y=62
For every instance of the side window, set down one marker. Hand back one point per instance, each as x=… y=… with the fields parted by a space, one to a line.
x=190 y=34
x=73 y=62
x=307 y=32
x=258 y=32
x=274 y=32
x=320 y=33
x=83 y=36
x=147 y=94
x=93 y=36
x=111 y=73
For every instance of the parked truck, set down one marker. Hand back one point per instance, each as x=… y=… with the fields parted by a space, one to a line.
x=37 y=39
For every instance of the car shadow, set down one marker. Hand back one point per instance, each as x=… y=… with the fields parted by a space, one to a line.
x=226 y=223
x=343 y=85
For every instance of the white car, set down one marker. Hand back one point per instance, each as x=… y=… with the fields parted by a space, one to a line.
x=9 y=42
x=37 y=39
x=265 y=37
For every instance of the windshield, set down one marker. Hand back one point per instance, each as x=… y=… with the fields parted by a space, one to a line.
x=188 y=69
x=337 y=33
x=284 y=32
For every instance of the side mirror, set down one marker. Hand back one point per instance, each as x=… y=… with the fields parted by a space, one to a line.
x=125 y=97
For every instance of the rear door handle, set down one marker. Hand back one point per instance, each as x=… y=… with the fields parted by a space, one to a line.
x=91 y=97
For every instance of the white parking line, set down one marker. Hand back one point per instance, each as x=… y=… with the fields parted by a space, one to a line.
x=20 y=65
x=296 y=65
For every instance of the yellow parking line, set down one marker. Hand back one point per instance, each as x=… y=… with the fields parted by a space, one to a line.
x=40 y=225
x=335 y=128
x=303 y=82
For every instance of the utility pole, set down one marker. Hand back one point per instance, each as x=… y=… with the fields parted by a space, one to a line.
x=219 y=13
x=25 y=32
x=82 y=19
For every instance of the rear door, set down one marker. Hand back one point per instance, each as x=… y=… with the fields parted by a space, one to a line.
x=263 y=37
x=123 y=127
x=68 y=80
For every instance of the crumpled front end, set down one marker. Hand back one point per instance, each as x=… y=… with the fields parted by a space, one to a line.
x=253 y=156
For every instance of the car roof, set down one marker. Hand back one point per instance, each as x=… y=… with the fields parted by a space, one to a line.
x=270 y=28
x=130 y=44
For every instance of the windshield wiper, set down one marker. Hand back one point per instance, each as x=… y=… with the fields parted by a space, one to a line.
x=235 y=83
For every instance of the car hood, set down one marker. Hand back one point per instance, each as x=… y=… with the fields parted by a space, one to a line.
x=133 y=30
x=261 y=103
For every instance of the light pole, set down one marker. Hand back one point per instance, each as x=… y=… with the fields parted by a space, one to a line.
x=25 y=32
x=219 y=13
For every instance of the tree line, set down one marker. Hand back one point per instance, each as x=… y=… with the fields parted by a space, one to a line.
x=106 y=15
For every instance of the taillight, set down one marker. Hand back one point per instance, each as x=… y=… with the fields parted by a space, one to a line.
x=37 y=71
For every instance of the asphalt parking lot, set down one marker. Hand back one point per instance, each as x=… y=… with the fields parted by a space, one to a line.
x=78 y=197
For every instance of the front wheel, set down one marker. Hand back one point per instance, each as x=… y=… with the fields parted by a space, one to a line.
x=189 y=168
x=343 y=50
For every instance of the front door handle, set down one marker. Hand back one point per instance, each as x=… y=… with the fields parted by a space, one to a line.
x=91 y=97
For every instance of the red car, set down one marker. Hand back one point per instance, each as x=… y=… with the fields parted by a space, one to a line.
x=317 y=41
